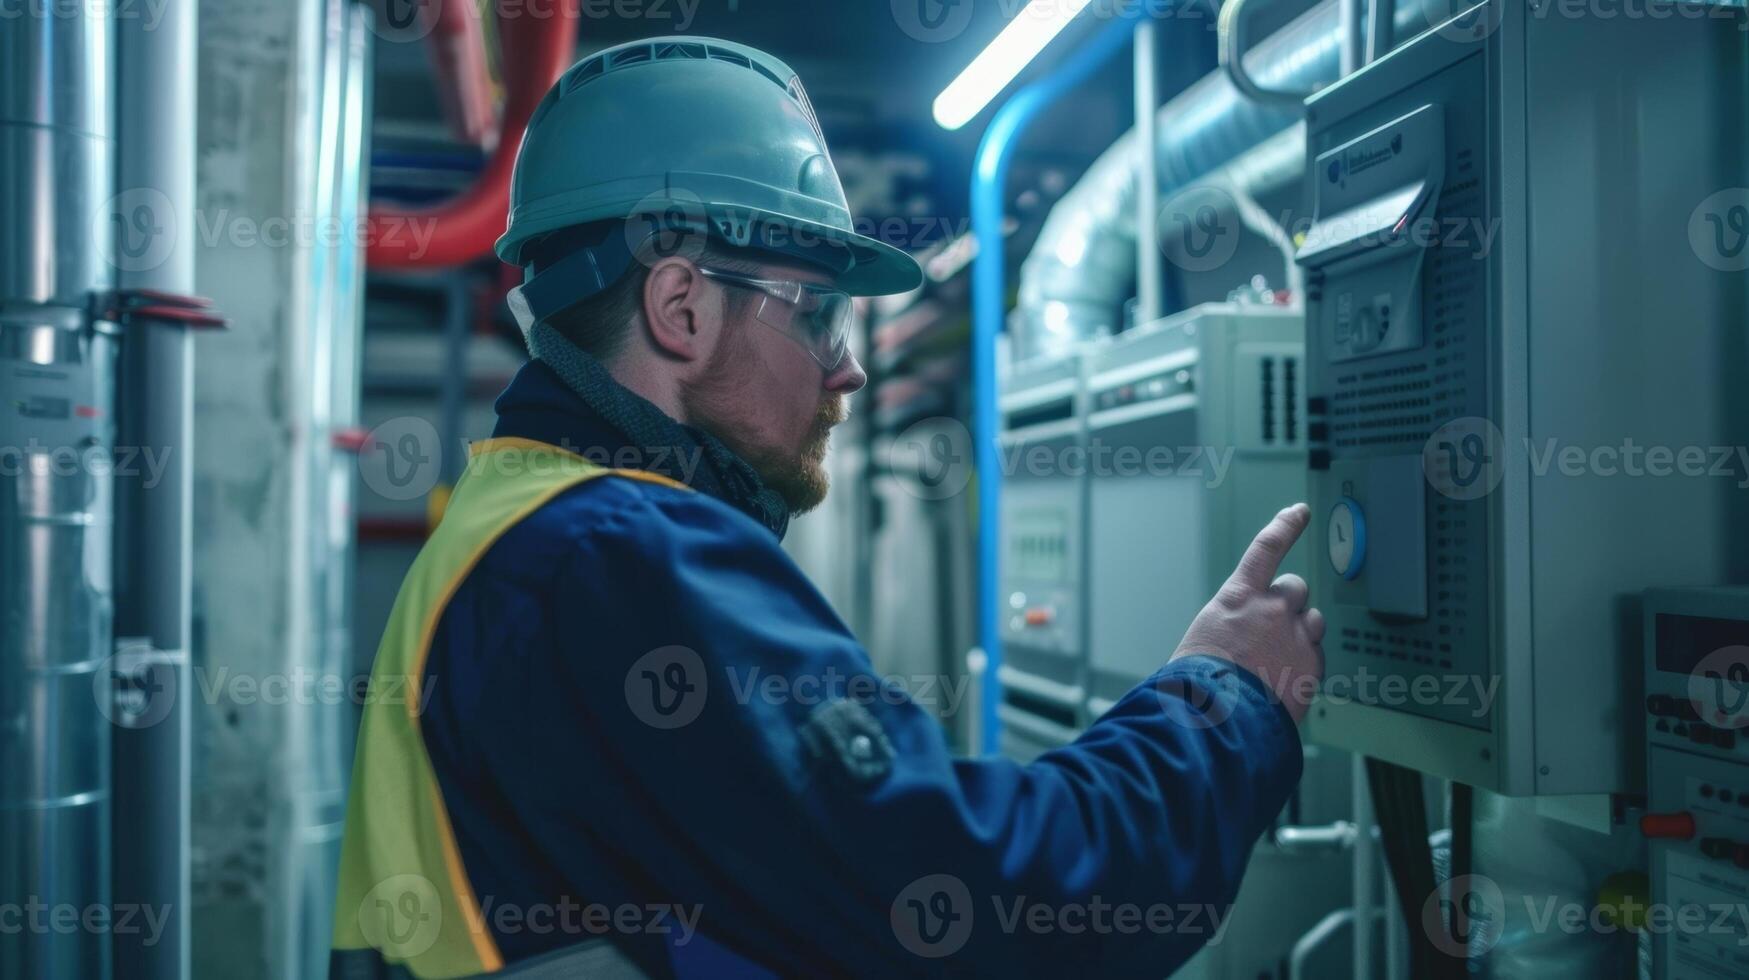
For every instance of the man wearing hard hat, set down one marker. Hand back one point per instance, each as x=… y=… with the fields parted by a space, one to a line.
x=636 y=741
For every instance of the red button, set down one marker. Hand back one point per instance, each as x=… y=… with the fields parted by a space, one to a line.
x=1037 y=617
x=1668 y=826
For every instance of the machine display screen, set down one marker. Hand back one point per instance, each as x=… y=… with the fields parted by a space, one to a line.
x=1684 y=641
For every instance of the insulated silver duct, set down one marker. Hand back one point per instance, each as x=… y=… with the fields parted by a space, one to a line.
x=1075 y=280
x=56 y=434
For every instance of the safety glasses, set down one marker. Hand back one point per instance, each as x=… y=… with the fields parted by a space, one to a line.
x=819 y=318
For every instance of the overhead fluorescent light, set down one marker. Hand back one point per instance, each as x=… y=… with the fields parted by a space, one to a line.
x=994 y=67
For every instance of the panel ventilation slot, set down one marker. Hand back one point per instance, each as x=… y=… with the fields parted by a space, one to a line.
x=601 y=64
x=1382 y=407
x=1290 y=399
x=1267 y=386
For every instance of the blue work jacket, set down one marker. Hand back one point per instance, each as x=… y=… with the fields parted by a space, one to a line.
x=641 y=712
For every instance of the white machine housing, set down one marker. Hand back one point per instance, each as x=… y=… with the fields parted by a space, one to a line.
x=1511 y=285
x=1042 y=589
x=1196 y=438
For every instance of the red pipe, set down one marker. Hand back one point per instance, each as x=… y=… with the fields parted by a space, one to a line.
x=537 y=39
x=458 y=59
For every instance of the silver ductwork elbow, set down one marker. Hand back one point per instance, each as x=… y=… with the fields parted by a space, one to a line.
x=1074 y=282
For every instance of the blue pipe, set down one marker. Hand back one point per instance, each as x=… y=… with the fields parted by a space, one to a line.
x=989 y=306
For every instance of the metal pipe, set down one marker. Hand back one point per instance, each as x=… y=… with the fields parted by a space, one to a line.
x=1232 y=43
x=1083 y=263
x=537 y=50
x=155 y=131
x=1381 y=15
x=1337 y=836
x=1318 y=935
x=1150 y=278
x=57 y=364
x=1353 y=19
x=989 y=176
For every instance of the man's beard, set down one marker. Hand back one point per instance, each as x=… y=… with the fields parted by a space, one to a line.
x=799 y=478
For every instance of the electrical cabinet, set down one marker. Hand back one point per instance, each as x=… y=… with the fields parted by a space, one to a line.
x=1042 y=584
x=1697 y=779
x=1525 y=363
x=1195 y=438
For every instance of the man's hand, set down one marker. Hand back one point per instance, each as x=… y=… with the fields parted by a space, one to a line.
x=1261 y=622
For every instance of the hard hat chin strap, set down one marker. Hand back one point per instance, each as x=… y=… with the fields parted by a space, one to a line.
x=573 y=278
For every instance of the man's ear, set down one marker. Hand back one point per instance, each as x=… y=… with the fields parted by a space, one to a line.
x=677 y=311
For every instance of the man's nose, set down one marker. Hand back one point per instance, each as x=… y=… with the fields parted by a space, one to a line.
x=847 y=377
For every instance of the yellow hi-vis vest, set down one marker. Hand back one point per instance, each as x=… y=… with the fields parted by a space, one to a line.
x=403 y=890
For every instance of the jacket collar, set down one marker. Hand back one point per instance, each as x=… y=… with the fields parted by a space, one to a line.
x=594 y=416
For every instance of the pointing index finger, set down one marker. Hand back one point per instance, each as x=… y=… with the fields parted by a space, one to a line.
x=1258 y=567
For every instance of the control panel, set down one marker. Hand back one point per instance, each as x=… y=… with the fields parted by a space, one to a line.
x=1043 y=530
x=1487 y=348
x=1195 y=438
x=1697 y=779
